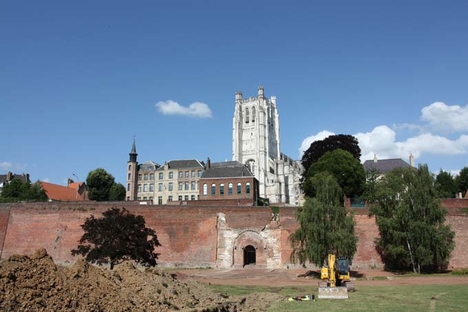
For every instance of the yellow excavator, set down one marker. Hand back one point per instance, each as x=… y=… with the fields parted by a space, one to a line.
x=335 y=279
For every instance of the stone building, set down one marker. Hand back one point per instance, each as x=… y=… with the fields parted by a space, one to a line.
x=256 y=143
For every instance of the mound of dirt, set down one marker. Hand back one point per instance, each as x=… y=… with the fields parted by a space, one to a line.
x=35 y=283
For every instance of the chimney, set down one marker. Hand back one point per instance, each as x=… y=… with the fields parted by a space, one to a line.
x=9 y=176
x=375 y=158
x=208 y=163
x=70 y=181
x=411 y=160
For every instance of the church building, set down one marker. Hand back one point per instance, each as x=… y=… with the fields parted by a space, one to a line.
x=256 y=143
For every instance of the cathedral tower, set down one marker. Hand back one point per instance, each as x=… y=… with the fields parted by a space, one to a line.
x=132 y=174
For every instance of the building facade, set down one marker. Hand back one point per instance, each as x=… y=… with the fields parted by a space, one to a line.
x=256 y=143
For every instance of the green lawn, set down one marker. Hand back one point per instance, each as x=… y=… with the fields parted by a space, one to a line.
x=368 y=298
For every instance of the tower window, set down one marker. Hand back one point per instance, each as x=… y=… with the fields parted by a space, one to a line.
x=247 y=115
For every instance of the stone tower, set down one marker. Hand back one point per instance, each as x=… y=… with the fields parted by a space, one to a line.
x=132 y=174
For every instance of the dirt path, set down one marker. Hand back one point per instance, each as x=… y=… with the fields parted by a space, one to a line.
x=299 y=277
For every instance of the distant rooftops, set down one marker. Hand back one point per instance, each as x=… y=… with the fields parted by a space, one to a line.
x=386 y=165
x=6 y=178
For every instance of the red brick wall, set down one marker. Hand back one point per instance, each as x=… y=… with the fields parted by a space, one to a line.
x=188 y=234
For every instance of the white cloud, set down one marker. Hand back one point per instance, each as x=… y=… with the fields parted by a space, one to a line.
x=46 y=180
x=196 y=109
x=446 y=118
x=309 y=140
x=5 y=166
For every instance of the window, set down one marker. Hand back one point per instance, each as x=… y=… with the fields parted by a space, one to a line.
x=129 y=176
x=180 y=186
x=144 y=197
x=192 y=185
x=145 y=177
x=193 y=173
x=138 y=197
x=128 y=197
x=151 y=176
x=129 y=167
x=160 y=187
x=181 y=174
x=151 y=198
x=205 y=189
x=192 y=197
x=161 y=176
x=128 y=187
x=187 y=174
x=247 y=188
x=186 y=197
x=213 y=189
x=139 y=176
x=145 y=187
x=221 y=189
x=200 y=173
x=239 y=188
x=186 y=185
x=230 y=189
x=169 y=198
x=170 y=186
x=180 y=197
x=247 y=115
x=159 y=200
x=151 y=187
x=253 y=114
x=139 y=187
x=171 y=175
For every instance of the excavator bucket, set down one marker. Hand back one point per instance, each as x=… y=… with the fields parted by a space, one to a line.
x=332 y=293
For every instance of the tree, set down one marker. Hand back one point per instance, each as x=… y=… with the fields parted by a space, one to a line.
x=462 y=181
x=411 y=221
x=117 y=236
x=117 y=192
x=17 y=190
x=445 y=185
x=347 y=170
x=324 y=225
x=99 y=184
x=318 y=148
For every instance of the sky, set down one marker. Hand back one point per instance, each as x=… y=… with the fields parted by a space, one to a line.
x=80 y=80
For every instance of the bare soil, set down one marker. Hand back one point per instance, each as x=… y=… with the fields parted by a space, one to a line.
x=35 y=283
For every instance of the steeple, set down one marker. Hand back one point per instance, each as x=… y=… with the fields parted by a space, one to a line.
x=133 y=154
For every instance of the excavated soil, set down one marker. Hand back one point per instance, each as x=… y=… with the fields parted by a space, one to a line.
x=35 y=283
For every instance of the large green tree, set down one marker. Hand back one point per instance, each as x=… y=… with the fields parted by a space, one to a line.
x=324 y=224
x=411 y=221
x=99 y=184
x=318 y=148
x=117 y=192
x=347 y=170
x=462 y=181
x=117 y=236
x=17 y=190
x=445 y=185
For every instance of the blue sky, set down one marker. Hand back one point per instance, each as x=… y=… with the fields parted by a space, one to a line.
x=80 y=79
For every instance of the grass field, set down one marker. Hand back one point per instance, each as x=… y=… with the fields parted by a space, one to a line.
x=368 y=298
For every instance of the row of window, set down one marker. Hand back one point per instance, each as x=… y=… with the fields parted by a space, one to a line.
x=150 y=176
x=169 y=198
x=193 y=185
x=222 y=190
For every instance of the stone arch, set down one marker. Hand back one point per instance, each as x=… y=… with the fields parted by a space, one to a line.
x=250 y=249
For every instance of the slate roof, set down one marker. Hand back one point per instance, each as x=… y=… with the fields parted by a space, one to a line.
x=226 y=169
x=182 y=164
x=385 y=165
x=149 y=166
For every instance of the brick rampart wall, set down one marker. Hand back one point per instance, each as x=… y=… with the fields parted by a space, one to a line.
x=189 y=235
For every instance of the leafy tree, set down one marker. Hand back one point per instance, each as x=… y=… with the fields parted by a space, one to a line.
x=318 y=148
x=445 y=185
x=99 y=184
x=411 y=221
x=462 y=181
x=324 y=225
x=347 y=170
x=17 y=190
x=117 y=236
x=370 y=186
x=117 y=192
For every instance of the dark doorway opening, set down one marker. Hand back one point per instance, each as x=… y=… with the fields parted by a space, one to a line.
x=249 y=255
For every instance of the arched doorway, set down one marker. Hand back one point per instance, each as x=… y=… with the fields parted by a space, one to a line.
x=249 y=255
